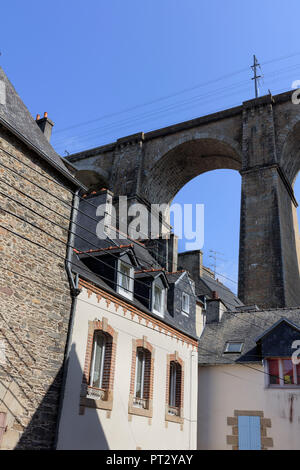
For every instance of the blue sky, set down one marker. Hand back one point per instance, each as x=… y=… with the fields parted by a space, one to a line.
x=106 y=69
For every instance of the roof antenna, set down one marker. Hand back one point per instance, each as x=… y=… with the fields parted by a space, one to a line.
x=214 y=255
x=256 y=77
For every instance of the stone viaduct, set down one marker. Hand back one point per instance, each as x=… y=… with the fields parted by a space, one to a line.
x=261 y=140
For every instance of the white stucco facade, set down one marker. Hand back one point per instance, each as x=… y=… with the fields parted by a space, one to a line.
x=117 y=429
x=224 y=390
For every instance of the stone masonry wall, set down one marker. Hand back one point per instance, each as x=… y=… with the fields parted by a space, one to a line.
x=34 y=309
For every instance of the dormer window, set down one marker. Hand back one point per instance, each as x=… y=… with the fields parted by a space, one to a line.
x=185 y=303
x=158 y=299
x=125 y=279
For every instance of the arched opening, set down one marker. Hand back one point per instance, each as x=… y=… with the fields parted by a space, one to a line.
x=187 y=160
x=204 y=171
x=296 y=215
x=290 y=163
x=219 y=191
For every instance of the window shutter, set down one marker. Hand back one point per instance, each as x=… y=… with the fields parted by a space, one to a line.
x=2 y=425
x=249 y=432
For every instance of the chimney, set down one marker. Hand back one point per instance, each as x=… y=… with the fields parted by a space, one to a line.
x=191 y=261
x=45 y=124
x=214 y=310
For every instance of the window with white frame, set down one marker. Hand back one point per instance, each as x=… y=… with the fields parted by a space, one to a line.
x=125 y=279
x=282 y=372
x=185 y=302
x=98 y=360
x=158 y=299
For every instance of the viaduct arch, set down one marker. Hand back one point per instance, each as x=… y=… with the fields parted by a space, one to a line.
x=261 y=140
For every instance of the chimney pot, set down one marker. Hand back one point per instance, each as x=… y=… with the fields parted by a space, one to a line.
x=45 y=124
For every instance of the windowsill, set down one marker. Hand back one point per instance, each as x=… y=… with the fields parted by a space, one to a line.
x=138 y=410
x=89 y=401
x=159 y=314
x=282 y=387
x=127 y=295
x=174 y=418
x=185 y=313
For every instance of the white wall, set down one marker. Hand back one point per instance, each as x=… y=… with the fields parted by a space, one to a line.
x=225 y=388
x=94 y=430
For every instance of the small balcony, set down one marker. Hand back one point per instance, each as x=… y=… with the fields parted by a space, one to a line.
x=140 y=403
x=96 y=393
x=173 y=410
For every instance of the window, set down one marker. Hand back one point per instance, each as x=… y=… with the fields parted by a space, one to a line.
x=101 y=358
x=125 y=279
x=175 y=389
x=233 y=347
x=141 y=381
x=142 y=378
x=158 y=298
x=174 y=386
x=282 y=372
x=99 y=366
x=249 y=433
x=185 y=303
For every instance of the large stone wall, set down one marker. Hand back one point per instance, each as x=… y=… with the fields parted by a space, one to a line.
x=34 y=298
x=260 y=139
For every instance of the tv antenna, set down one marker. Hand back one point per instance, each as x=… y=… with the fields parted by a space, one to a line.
x=214 y=255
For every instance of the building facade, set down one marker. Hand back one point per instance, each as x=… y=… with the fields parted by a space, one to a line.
x=132 y=368
x=36 y=194
x=249 y=386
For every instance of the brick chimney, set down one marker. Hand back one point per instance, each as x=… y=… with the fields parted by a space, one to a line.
x=45 y=124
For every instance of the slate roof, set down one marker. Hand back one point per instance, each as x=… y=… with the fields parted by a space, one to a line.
x=207 y=284
x=15 y=116
x=244 y=327
x=79 y=267
x=173 y=277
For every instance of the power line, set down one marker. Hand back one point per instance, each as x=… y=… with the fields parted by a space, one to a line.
x=67 y=244
x=199 y=85
x=129 y=121
x=75 y=264
x=149 y=114
x=147 y=103
x=65 y=202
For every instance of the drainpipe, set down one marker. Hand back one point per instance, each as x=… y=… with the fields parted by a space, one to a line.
x=74 y=291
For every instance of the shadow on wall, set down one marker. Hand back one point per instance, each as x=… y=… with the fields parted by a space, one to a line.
x=41 y=431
